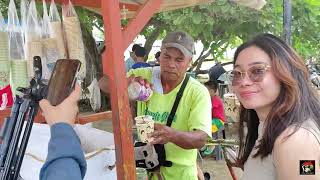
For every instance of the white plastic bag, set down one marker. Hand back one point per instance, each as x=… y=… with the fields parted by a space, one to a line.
x=50 y=49
x=56 y=32
x=95 y=95
x=33 y=26
x=16 y=45
x=45 y=21
x=33 y=38
x=24 y=13
x=18 y=73
x=4 y=54
x=72 y=29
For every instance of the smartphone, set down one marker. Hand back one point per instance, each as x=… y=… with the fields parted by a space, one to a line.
x=63 y=79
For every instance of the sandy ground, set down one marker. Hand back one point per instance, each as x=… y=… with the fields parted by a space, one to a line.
x=217 y=169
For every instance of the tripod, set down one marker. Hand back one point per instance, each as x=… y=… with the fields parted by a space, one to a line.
x=16 y=129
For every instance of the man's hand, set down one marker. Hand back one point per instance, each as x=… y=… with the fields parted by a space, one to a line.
x=104 y=82
x=65 y=112
x=162 y=134
x=140 y=80
x=187 y=140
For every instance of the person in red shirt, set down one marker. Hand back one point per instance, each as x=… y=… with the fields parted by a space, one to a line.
x=217 y=113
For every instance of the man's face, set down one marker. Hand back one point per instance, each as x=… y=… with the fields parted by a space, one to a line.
x=173 y=64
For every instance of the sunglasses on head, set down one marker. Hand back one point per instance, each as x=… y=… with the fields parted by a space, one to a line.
x=255 y=73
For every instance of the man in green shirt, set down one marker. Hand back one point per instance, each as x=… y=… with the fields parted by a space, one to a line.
x=191 y=125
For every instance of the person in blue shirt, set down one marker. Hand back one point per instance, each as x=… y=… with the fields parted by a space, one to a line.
x=132 y=59
x=140 y=54
x=65 y=159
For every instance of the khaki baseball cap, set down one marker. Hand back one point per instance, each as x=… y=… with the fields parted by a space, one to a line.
x=180 y=40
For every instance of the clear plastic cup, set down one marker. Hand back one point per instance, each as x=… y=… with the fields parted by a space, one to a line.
x=138 y=92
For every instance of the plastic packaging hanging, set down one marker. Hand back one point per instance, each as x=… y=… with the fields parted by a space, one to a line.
x=49 y=45
x=45 y=21
x=56 y=32
x=33 y=26
x=33 y=38
x=95 y=95
x=18 y=73
x=4 y=54
x=73 y=36
x=15 y=33
x=24 y=13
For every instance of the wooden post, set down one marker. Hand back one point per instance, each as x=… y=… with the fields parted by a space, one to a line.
x=113 y=66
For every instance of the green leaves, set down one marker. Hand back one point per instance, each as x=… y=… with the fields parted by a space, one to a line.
x=222 y=25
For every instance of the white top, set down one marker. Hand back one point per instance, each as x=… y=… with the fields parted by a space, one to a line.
x=265 y=169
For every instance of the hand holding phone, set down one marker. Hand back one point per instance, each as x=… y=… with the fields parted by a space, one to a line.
x=63 y=79
x=65 y=112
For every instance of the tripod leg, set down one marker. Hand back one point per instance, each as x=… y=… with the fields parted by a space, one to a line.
x=7 y=130
x=11 y=155
x=25 y=138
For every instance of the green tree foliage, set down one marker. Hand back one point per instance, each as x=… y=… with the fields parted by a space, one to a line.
x=221 y=25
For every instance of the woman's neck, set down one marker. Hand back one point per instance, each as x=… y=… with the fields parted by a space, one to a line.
x=263 y=113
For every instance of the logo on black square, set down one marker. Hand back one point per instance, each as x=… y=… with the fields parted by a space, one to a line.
x=307 y=167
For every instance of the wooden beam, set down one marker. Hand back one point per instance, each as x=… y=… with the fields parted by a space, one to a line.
x=101 y=116
x=83 y=119
x=84 y=3
x=114 y=68
x=137 y=23
x=94 y=4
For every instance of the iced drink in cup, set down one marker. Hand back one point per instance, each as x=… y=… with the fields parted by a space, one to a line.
x=145 y=126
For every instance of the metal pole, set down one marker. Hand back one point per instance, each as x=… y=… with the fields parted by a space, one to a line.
x=287 y=18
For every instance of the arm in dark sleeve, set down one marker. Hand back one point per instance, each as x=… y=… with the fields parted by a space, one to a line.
x=65 y=160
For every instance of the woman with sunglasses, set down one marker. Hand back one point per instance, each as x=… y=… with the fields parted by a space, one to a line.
x=280 y=112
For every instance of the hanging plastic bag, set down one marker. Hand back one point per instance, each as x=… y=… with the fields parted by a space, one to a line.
x=4 y=54
x=18 y=73
x=16 y=50
x=95 y=95
x=45 y=21
x=24 y=13
x=33 y=26
x=49 y=45
x=72 y=29
x=5 y=89
x=33 y=38
x=56 y=32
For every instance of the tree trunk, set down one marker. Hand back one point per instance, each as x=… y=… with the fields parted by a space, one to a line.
x=93 y=58
x=151 y=39
x=202 y=58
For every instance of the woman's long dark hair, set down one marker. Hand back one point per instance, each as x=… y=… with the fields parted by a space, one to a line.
x=296 y=103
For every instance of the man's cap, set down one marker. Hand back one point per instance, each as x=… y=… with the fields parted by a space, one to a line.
x=180 y=40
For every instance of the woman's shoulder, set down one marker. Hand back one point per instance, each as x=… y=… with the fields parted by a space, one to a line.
x=309 y=129
x=296 y=143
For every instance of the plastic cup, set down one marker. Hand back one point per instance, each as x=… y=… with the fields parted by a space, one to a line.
x=138 y=92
